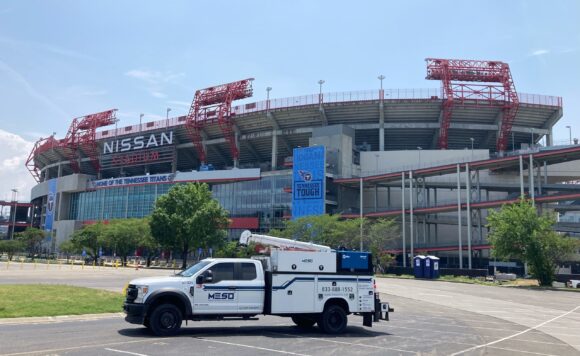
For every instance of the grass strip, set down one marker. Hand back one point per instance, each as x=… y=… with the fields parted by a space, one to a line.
x=29 y=300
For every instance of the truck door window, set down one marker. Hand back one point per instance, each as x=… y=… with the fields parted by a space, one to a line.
x=248 y=272
x=222 y=272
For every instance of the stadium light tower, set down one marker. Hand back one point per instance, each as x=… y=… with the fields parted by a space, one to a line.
x=381 y=77
x=569 y=132
x=268 y=89
x=167 y=117
x=141 y=122
x=320 y=82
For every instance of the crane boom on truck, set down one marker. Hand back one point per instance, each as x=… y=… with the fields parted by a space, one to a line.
x=307 y=282
x=247 y=237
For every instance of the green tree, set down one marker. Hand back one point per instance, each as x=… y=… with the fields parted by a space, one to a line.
x=323 y=229
x=377 y=238
x=11 y=247
x=188 y=217
x=124 y=236
x=233 y=250
x=518 y=232
x=32 y=239
x=68 y=248
x=90 y=238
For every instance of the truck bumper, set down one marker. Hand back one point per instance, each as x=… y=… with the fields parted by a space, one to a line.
x=135 y=313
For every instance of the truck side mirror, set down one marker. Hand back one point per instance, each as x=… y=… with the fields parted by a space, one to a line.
x=199 y=279
x=208 y=276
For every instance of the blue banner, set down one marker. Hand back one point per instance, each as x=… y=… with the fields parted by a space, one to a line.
x=308 y=181
x=50 y=205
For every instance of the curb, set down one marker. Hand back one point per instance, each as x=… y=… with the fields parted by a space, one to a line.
x=58 y=318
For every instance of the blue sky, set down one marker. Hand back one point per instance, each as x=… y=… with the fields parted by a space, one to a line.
x=62 y=59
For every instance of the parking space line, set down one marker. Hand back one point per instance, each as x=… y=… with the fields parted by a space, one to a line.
x=79 y=347
x=348 y=343
x=250 y=346
x=520 y=351
x=517 y=334
x=125 y=352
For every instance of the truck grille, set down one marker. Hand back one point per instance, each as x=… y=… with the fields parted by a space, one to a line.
x=131 y=293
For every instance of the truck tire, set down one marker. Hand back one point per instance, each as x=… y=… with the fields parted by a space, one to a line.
x=333 y=320
x=165 y=320
x=302 y=322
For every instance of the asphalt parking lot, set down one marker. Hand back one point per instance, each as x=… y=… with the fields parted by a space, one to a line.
x=431 y=318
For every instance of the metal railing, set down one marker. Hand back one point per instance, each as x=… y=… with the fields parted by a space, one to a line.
x=326 y=98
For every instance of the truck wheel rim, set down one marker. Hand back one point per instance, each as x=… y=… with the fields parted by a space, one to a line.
x=335 y=320
x=167 y=320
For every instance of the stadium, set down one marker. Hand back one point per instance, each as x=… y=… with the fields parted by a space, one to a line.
x=434 y=159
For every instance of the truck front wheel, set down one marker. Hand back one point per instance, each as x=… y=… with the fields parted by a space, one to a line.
x=302 y=322
x=165 y=320
x=333 y=320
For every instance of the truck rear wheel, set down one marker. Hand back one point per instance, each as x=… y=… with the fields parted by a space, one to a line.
x=303 y=322
x=165 y=320
x=333 y=320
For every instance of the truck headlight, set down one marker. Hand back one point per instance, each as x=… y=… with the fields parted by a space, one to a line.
x=141 y=293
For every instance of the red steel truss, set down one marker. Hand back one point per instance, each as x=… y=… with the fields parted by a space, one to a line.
x=450 y=71
x=42 y=145
x=81 y=136
x=215 y=104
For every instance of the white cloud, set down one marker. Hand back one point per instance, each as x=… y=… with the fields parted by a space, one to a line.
x=156 y=81
x=158 y=94
x=540 y=52
x=13 y=172
x=186 y=104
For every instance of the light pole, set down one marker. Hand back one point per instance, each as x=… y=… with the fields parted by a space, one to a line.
x=141 y=121
x=381 y=92
x=376 y=163
x=320 y=82
x=381 y=77
x=167 y=117
x=569 y=132
x=472 y=140
x=268 y=89
x=15 y=197
x=419 y=148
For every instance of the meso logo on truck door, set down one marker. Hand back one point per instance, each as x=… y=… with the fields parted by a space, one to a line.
x=221 y=296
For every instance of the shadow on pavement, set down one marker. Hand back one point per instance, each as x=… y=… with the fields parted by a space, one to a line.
x=266 y=331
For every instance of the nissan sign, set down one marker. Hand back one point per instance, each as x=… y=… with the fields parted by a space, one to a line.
x=138 y=142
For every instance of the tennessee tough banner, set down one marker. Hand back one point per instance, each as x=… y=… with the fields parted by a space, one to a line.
x=308 y=181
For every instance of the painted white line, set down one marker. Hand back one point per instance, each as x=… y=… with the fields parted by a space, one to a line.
x=520 y=351
x=517 y=334
x=250 y=346
x=348 y=343
x=51 y=351
x=125 y=352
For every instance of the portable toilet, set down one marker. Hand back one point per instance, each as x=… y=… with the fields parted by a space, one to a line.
x=432 y=267
x=419 y=266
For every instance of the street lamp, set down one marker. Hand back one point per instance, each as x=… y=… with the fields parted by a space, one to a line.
x=569 y=132
x=419 y=148
x=268 y=89
x=320 y=82
x=381 y=77
x=167 y=117
x=141 y=121
x=472 y=140
x=376 y=163
x=15 y=198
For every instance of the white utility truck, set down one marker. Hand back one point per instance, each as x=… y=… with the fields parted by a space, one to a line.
x=307 y=282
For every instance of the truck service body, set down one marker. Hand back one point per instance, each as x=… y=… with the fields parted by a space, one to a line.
x=311 y=285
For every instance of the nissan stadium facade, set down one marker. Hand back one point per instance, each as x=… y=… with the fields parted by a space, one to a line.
x=434 y=159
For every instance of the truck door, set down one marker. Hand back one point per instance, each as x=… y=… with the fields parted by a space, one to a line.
x=250 y=288
x=218 y=296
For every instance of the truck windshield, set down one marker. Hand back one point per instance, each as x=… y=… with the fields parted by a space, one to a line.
x=193 y=269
